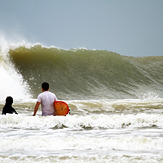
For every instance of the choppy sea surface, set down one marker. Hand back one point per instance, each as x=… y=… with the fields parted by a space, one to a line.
x=116 y=105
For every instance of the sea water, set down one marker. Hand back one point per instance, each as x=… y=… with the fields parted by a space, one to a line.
x=116 y=107
x=96 y=131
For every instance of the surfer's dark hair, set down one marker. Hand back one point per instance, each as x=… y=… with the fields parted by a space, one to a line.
x=45 y=86
x=9 y=100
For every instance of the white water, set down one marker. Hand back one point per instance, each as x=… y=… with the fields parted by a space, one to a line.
x=11 y=82
x=115 y=136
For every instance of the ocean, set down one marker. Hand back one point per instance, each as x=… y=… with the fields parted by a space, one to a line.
x=116 y=105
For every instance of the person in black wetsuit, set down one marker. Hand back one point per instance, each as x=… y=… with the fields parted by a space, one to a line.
x=8 y=106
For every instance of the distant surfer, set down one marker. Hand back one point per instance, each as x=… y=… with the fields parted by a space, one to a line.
x=8 y=106
x=46 y=99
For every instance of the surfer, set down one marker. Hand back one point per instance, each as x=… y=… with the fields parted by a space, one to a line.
x=8 y=106
x=46 y=99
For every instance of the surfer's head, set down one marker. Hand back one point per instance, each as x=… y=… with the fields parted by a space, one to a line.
x=45 y=86
x=9 y=100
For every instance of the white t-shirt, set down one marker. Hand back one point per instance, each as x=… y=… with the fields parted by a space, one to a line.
x=47 y=99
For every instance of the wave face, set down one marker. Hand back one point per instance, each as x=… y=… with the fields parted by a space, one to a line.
x=88 y=74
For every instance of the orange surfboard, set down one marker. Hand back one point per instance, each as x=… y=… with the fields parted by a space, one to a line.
x=61 y=108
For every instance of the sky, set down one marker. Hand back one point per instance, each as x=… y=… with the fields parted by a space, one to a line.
x=128 y=27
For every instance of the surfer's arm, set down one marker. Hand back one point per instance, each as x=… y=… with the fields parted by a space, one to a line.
x=36 y=108
x=54 y=111
x=54 y=105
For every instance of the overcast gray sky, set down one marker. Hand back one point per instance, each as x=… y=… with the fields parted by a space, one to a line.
x=128 y=27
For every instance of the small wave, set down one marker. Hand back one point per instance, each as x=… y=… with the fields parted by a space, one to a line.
x=81 y=122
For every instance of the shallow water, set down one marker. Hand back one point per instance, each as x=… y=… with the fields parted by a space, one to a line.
x=96 y=131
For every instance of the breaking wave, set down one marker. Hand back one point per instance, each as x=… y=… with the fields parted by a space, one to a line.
x=86 y=74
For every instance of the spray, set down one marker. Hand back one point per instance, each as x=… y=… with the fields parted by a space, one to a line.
x=11 y=81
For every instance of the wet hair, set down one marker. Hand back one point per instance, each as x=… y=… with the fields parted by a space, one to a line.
x=8 y=106
x=9 y=100
x=45 y=86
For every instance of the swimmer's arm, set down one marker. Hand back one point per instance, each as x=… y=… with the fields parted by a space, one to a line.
x=15 y=111
x=3 y=112
x=36 y=108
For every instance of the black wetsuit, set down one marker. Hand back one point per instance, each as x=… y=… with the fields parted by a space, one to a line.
x=8 y=109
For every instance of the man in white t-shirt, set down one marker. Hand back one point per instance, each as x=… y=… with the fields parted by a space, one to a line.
x=46 y=99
